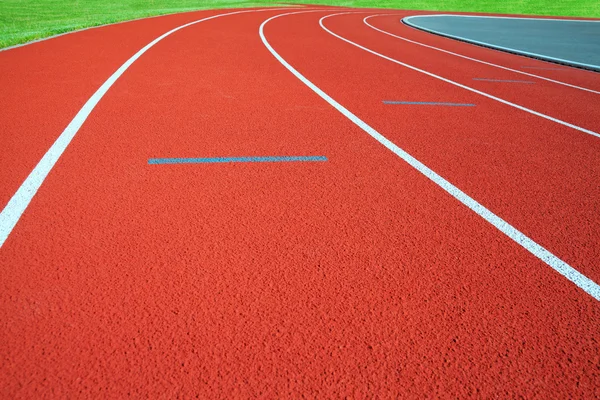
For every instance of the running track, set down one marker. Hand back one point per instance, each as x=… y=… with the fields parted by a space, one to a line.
x=358 y=276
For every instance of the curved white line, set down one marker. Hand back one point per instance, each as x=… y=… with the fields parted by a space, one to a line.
x=498 y=47
x=473 y=59
x=550 y=259
x=558 y=121
x=20 y=200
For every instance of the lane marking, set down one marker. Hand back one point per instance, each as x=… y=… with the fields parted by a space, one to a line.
x=501 y=80
x=528 y=244
x=471 y=58
x=429 y=103
x=407 y=20
x=20 y=200
x=547 y=68
x=558 y=121
x=235 y=159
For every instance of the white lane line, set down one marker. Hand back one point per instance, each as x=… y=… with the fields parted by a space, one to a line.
x=558 y=121
x=473 y=59
x=20 y=200
x=550 y=259
x=569 y=63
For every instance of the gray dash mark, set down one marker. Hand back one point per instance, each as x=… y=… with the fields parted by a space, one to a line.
x=212 y=160
x=547 y=68
x=428 y=103
x=501 y=80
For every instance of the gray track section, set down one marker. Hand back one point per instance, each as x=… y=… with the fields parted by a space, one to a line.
x=569 y=42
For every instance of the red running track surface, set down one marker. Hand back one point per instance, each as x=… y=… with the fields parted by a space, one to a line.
x=355 y=277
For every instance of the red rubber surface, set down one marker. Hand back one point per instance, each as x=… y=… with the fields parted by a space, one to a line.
x=538 y=175
x=356 y=277
x=45 y=84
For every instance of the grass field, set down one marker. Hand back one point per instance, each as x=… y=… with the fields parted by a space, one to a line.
x=25 y=20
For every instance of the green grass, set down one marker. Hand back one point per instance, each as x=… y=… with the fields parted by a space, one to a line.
x=25 y=20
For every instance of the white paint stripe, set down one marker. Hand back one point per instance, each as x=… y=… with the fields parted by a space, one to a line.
x=542 y=57
x=474 y=59
x=558 y=121
x=18 y=203
x=550 y=259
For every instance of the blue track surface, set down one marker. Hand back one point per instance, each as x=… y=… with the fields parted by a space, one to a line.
x=568 y=42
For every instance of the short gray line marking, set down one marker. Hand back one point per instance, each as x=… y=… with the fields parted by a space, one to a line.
x=501 y=80
x=547 y=68
x=429 y=103
x=247 y=159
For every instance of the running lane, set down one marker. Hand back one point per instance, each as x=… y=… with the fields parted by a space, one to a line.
x=361 y=85
x=538 y=175
x=44 y=84
x=575 y=76
x=352 y=277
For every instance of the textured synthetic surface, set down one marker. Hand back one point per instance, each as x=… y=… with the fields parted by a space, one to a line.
x=572 y=41
x=354 y=277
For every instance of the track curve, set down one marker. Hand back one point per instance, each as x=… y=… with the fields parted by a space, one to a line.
x=351 y=277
